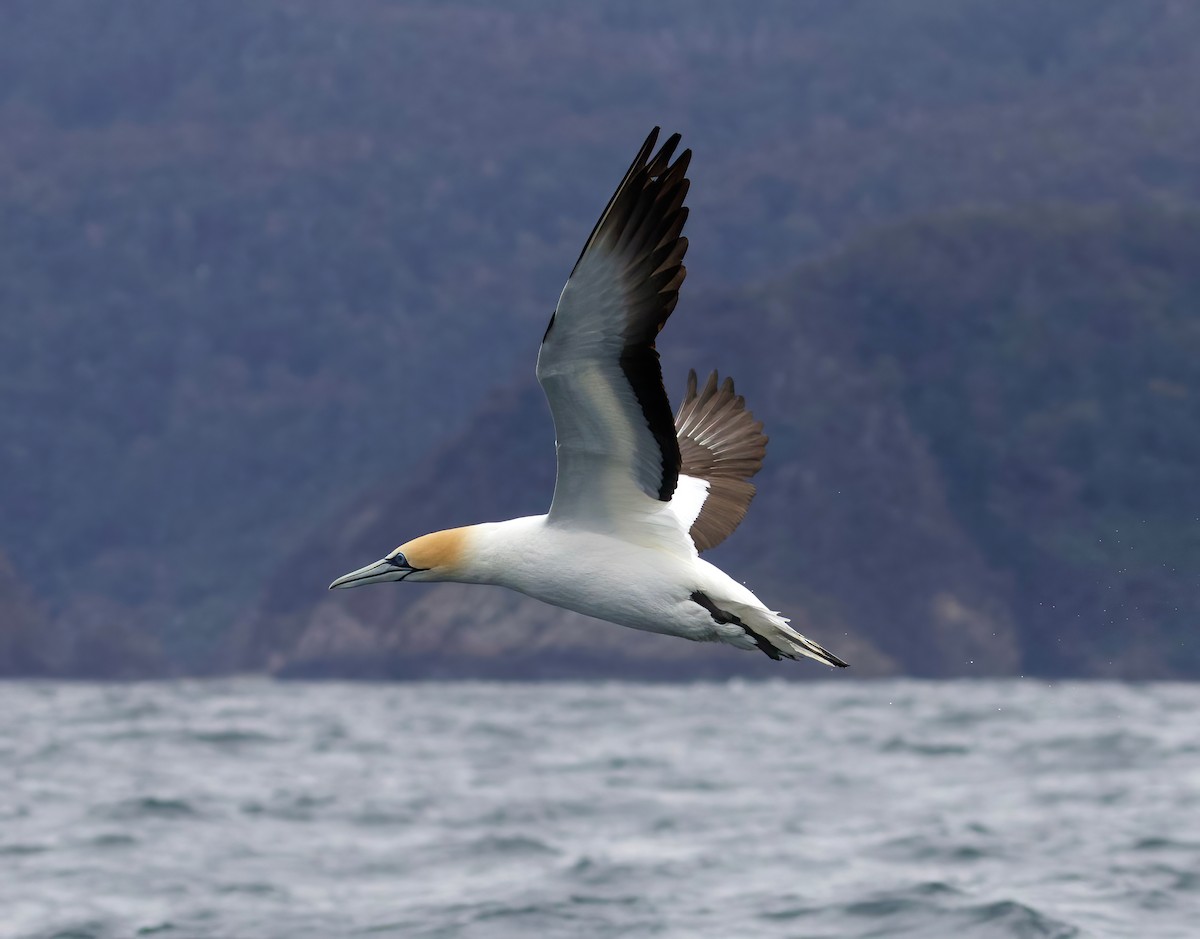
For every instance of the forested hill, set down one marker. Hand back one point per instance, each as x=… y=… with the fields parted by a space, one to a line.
x=262 y=257
x=982 y=461
x=1051 y=362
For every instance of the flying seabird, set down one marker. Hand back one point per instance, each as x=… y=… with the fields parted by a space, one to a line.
x=638 y=493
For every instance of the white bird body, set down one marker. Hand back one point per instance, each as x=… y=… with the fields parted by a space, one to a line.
x=607 y=577
x=639 y=493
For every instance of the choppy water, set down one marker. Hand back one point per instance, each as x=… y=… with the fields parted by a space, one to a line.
x=251 y=809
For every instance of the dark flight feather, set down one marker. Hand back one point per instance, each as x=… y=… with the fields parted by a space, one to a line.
x=721 y=442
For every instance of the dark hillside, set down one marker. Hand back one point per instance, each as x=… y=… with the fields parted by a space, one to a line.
x=26 y=646
x=1052 y=361
x=257 y=257
x=982 y=448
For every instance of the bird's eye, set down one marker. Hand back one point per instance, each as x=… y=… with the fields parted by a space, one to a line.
x=398 y=560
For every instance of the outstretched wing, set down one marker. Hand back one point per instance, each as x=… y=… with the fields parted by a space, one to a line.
x=721 y=443
x=618 y=455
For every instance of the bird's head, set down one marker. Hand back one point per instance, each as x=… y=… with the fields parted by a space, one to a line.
x=438 y=556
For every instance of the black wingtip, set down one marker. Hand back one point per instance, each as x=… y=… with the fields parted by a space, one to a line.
x=661 y=162
x=648 y=145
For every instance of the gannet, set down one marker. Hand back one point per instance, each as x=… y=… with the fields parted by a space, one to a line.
x=638 y=494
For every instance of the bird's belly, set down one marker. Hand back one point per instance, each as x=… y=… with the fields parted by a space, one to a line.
x=637 y=587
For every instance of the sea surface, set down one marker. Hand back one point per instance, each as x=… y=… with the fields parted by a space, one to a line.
x=249 y=809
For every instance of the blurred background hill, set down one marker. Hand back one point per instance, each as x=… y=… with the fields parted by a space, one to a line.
x=274 y=275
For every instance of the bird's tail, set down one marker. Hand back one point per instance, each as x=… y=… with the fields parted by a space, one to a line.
x=774 y=636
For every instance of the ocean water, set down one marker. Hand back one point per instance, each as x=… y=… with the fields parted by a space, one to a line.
x=249 y=809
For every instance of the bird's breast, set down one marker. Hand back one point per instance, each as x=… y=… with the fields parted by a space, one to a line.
x=601 y=576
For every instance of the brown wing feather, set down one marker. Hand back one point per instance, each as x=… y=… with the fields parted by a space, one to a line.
x=721 y=442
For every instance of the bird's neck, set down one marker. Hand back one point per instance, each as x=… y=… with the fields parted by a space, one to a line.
x=494 y=550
